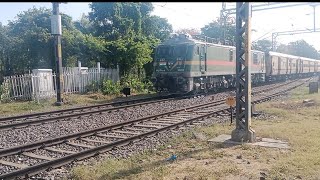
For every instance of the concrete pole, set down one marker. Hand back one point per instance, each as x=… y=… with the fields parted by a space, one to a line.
x=79 y=67
x=99 y=75
x=314 y=18
x=98 y=67
x=79 y=71
x=56 y=31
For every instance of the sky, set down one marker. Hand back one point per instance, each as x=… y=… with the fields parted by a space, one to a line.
x=197 y=15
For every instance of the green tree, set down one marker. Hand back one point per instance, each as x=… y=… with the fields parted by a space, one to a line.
x=32 y=44
x=282 y=48
x=262 y=45
x=82 y=47
x=5 y=47
x=299 y=48
x=302 y=48
x=84 y=25
x=216 y=31
x=31 y=41
x=130 y=31
x=157 y=27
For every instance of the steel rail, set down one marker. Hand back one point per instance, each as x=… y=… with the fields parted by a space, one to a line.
x=81 y=108
x=164 y=98
x=26 y=172
x=53 y=141
x=40 y=121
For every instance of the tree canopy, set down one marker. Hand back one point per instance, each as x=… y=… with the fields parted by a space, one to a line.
x=113 y=33
x=131 y=31
x=220 y=33
x=297 y=48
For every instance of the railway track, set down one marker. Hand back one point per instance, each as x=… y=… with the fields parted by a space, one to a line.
x=78 y=146
x=106 y=106
x=66 y=114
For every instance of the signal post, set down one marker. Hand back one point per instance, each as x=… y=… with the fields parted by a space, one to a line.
x=56 y=31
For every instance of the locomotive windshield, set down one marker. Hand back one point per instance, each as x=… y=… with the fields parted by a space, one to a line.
x=164 y=51
x=172 y=52
x=180 y=51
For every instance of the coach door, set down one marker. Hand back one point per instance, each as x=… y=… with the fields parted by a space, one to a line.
x=279 y=65
x=203 y=57
x=289 y=66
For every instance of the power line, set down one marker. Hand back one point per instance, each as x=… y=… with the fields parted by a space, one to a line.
x=173 y=10
x=263 y=35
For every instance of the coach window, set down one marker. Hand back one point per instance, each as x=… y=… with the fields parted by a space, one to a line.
x=255 y=58
x=231 y=55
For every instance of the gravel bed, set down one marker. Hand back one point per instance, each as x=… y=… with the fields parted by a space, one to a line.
x=69 y=148
x=21 y=159
x=151 y=143
x=43 y=152
x=5 y=169
x=87 y=143
x=14 y=137
x=98 y=138
x=127 y=151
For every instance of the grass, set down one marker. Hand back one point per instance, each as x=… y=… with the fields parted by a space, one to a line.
x=197 y=159
x=70 y=100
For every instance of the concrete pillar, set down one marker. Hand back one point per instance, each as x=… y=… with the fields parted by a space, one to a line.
x=79 y=71
x=98 y=67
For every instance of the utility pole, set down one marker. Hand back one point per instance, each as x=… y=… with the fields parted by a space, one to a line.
x=56 y=31
x=314 y=17
x=273 y=41
x=223 y=22
x=243 y=131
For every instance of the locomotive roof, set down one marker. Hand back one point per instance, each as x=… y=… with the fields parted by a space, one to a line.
x=290 y=56
x=180 y=40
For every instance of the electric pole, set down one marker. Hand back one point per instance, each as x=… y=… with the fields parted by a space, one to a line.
x=56 y=31
x=223 y=22
x=243 y=131
x=314 y=17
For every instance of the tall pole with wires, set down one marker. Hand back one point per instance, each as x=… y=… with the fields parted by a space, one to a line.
x=223 y=22
x=314 y=17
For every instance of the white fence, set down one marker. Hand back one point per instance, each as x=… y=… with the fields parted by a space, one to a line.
x=35 y=86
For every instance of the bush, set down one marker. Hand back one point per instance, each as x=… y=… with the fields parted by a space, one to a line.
x=129 y=81
x=136 y=85
x=93 y=87
x=5 y=92
x=110 y=88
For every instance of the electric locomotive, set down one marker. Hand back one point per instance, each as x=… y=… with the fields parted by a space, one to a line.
x=185 y=64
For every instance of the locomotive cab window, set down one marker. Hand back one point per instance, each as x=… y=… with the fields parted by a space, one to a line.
x=255 y=58
x=231 y=55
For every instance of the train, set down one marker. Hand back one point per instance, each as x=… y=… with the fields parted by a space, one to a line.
x=192 y=64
